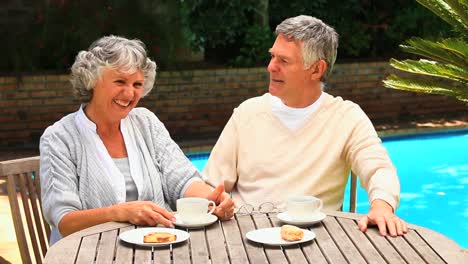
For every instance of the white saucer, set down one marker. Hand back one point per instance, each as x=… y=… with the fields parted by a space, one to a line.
x=272 y=236
x=318 y=217
x=135 y=236
x=210 y=219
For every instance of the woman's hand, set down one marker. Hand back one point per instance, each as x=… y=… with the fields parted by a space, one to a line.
x=143 y=213
x=224 y=204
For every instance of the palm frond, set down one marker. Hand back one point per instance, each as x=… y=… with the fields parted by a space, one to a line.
x=432 y=86
x=450 y=51
x=446 y=70
x=460 y=8
x=444 y=11
x=432 y=68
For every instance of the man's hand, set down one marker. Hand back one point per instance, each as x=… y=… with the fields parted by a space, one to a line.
x=381 y=214
x=224 y=204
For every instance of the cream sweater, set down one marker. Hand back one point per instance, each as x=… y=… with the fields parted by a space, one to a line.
x=260 y=160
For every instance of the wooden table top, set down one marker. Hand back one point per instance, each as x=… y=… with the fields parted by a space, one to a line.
x=338 y=240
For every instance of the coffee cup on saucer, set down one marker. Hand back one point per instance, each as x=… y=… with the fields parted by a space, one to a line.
x=194 y=210
x=303 y=208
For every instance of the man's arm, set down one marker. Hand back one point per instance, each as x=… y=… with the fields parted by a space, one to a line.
x=221 y=167
x=371 y=162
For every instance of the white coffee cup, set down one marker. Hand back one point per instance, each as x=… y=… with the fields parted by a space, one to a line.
x=194 y=210
x=303 y=208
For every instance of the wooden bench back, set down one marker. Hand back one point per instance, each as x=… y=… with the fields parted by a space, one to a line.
x=24 y=194
x=353 y=193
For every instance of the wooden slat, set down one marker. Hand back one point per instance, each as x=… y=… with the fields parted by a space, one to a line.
x=353 y=193
x=313 y=253
x=383 y=246
x=216 y=245
x=294 y=252
x=41 y=241
x=405 y=250
x=17 y=220
x=124 y=251
x=327 y=245
x=181 y=253
x=198 y=248
x=422 y=248
x=343 y=214
x=37 y=184
x=274 y=254
x=254 y=250
x=63 y=251
x=27 y=215
x=143 y=254
x=19 y=165
x=342 y=240
x=97 y=229
x=88 y=248
x=361 y=241
x=67 y=249
x=448 y=249
x=107 y=247
x=162 y=255
x=234 y=242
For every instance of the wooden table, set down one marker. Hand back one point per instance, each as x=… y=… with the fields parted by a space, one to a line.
x=338 y=241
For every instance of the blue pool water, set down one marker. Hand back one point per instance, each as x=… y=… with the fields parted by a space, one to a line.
x=433 y=171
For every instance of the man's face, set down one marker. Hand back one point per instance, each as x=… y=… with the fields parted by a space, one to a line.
x=288 y=77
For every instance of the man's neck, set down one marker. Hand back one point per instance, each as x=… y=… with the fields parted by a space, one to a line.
x=306 y=97
x=304 y=101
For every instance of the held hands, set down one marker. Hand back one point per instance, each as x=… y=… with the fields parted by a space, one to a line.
x=381 y=214
x=224 y=205
x=144 y=213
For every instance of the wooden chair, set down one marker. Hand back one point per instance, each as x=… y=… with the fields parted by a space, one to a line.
x=24 y=195
x=353 y=193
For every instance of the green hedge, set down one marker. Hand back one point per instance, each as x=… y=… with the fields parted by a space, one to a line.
x=48 y=35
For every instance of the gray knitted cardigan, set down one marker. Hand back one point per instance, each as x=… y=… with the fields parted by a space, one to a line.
x=75 y=175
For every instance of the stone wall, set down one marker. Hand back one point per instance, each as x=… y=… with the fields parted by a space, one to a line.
x=195 y=105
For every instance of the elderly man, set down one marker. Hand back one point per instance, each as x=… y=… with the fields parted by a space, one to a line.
x=297 y=139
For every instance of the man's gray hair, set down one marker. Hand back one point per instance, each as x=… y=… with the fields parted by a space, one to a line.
x=320 y=41
x=128 y=56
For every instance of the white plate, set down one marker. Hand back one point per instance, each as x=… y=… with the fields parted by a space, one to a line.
x=288 y=220
x=272 y=236
x=135 y=236
x=209 y=220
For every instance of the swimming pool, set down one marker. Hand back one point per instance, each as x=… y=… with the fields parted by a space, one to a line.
x=433 y=171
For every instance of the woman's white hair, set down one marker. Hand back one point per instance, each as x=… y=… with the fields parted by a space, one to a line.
x=320 y=40
x=128 y=56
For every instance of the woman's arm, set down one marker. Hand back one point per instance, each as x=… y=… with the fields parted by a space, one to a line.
x=137 y=212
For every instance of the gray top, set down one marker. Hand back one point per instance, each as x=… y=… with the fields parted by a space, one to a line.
x=77 y=173
x=130 y=188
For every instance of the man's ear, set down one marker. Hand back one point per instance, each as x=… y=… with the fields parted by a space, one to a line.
x=318 y=69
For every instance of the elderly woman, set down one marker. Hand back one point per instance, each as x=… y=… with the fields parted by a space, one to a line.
x=110 y=161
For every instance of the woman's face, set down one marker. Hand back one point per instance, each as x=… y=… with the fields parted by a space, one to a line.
x=116 y=94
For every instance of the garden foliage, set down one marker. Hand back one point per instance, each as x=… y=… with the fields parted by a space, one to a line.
x=48 y=35
x=444 y=66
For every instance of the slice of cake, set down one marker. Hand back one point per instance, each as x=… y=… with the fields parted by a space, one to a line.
x=159 y=237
